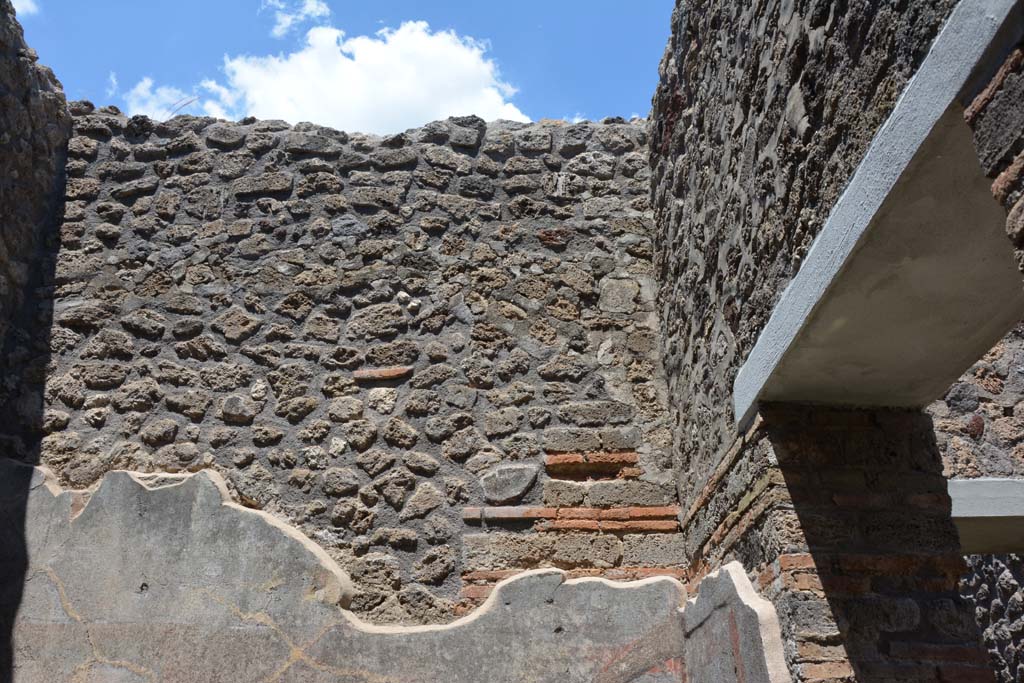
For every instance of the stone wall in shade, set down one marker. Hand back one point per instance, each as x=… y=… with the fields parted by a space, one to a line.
x=435 y=352
x=981 y=420
x=34 y=129
x=762 y=113
x=843 y=519
x=993 y=585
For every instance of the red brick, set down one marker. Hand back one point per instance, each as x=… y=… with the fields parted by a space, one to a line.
x=570 y=525
x=560 y=459
x=846 y=585
x=382 y=374
x=615 y=458
x=796 y=561
x=809 y=651
x=983 y=99
x=663 y=512
x=493 y=575
x=593 y=465
x=587 y=573
x=862 y=500
x=658 y=526
x=633 y=573
x=966 y=674
x=475 y=592
x=826 y=671
x=802 y=581
x=579 y=513
x=930 y=501
x=938 y=653
x=1007 y=180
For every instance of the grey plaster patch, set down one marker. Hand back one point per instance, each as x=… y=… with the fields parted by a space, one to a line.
x=896 y=154
x=161 y=578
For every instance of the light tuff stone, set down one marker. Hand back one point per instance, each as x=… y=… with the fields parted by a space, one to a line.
x=425 y=499
x=618 y=295
x=508 y=483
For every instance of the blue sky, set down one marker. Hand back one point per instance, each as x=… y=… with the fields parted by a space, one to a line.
x=376 y=66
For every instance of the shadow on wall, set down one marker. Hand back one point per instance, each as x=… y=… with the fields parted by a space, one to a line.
x=877 y=593
x=25 y=356
x=36 y=126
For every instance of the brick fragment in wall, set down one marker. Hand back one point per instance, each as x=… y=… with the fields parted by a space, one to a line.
x=363 y=335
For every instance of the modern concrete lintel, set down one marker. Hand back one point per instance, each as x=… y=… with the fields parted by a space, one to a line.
x=912 y=277
x=989 y=514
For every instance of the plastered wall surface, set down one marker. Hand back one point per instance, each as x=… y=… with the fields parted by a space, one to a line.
x=162 y=578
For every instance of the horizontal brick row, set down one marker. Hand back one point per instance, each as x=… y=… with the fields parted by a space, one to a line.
x=574 y=514
x=610 y=526
x=592 y=465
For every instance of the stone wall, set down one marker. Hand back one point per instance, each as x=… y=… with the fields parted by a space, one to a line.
x=993 y=584
x=761 y=116
x=762 y=113
x=981 y=420
x=435 y=352
x=34 y=128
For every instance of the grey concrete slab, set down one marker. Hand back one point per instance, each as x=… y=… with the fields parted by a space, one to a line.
x=989 y=514
x=162 y=578
x=912 y=277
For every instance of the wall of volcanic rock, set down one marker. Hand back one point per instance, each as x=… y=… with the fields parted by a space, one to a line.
x=34 y=128
x=980 y=422
x=435 y=352
x=762 y=113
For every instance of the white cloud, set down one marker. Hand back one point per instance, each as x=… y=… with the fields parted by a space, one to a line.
x=288 y=14
x=111 y=84
x=26 y=7
x=388 y=82
x=159 y=103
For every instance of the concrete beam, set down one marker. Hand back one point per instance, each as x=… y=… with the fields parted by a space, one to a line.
x=912 y=278
x=989 y=514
